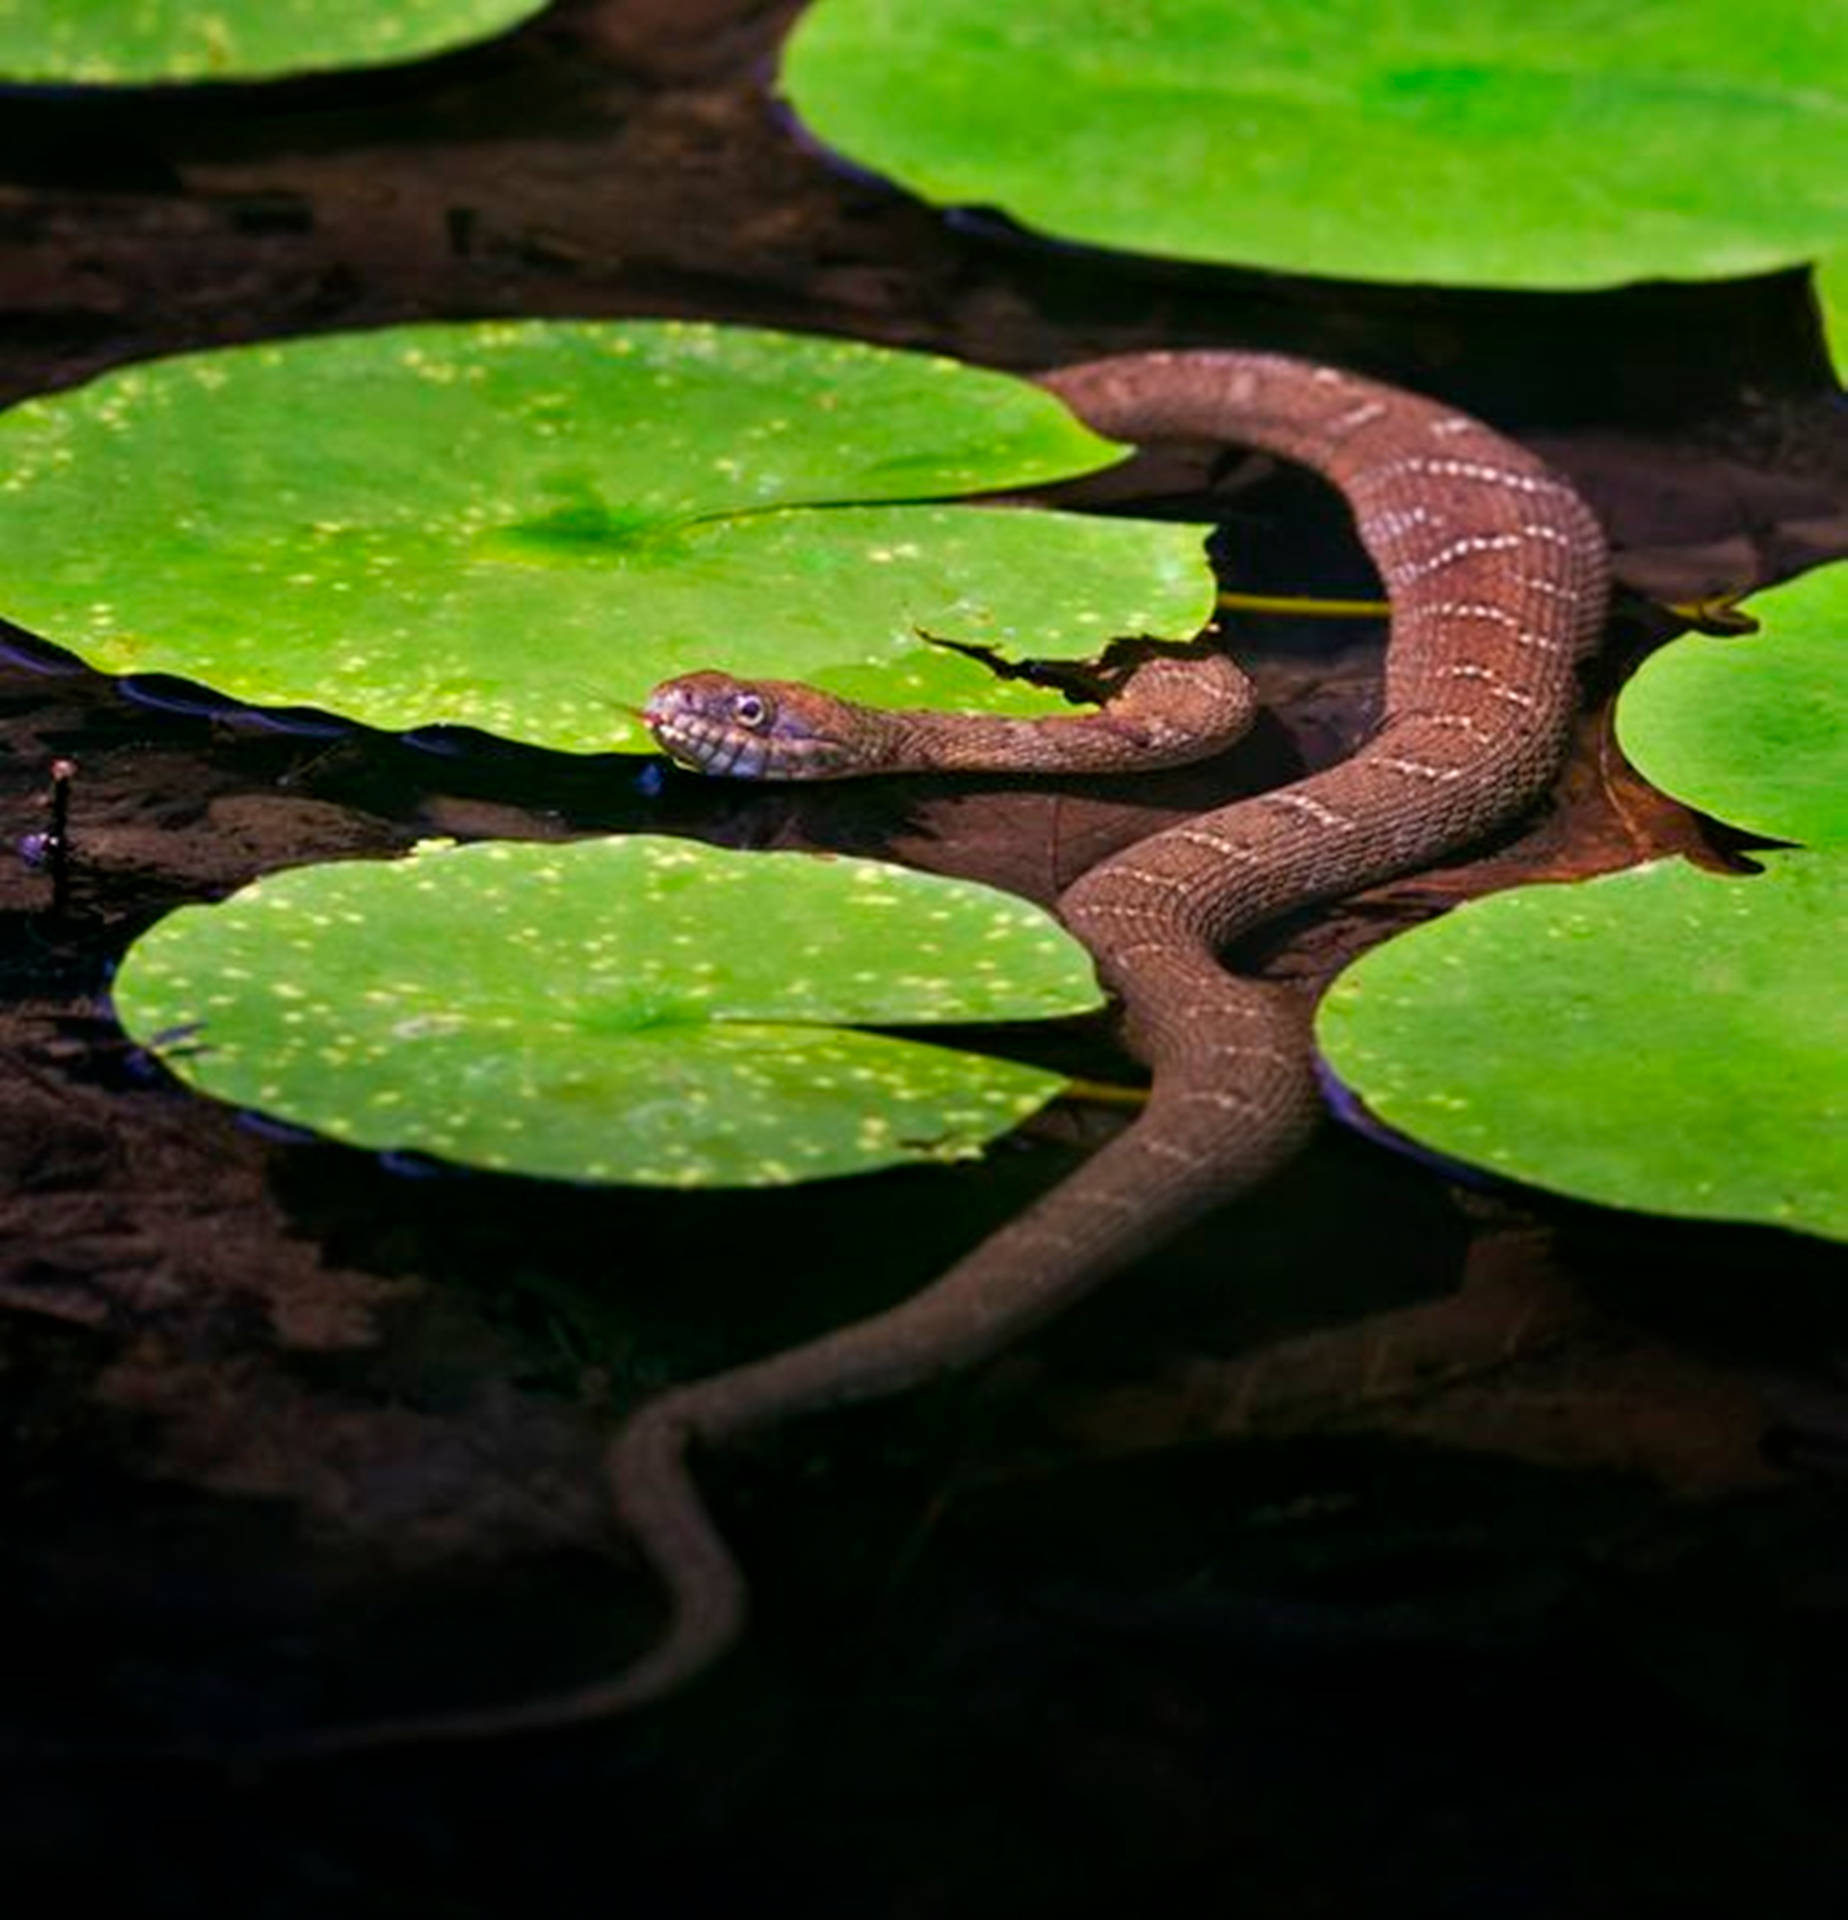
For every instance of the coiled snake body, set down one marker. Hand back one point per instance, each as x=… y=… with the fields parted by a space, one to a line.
x=1497 y=575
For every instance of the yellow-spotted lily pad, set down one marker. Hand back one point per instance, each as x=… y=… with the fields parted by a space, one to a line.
x=514 y=525
x=156 y=42
x=642 y=1010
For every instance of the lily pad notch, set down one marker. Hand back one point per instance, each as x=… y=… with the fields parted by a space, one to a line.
x=520 y=527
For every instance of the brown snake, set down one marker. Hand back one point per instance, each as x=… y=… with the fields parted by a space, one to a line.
x=1497 y=575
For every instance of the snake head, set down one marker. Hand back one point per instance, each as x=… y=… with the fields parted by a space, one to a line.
x=752 y=729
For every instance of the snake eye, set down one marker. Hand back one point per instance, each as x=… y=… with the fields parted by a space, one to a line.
x=750 y=710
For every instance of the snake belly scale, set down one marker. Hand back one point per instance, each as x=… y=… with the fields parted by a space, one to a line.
x=1497 y=576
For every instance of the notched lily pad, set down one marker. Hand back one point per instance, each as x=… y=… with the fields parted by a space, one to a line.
x=512 y=525
x=642 y=1010
x=1754 y=730
x=152 y=42
x=1663 y=1038
x=1498 y=143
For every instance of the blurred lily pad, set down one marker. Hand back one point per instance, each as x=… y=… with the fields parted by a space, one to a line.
x=1501 y=143
x=1664 y=1039
x=641 y=1010
x=1832 y=297
x=511 y=525
x=151 y=42
x=1754 y=730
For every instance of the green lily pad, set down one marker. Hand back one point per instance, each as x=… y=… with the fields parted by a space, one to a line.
x=152 y=42
x=642 y=1010
x=1754 y=730
x=1832 y=297
x=1499 y=143
x=511 y=525
x=1662 y=1038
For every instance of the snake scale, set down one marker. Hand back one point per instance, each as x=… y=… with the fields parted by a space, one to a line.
x=1496 y=572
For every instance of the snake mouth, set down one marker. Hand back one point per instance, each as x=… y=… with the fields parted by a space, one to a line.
x=749 y=729
x=692 y=739
x=685 y=729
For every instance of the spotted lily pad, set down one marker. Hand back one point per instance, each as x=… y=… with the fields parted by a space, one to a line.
x=1754 y=730
x=1662 y=1038
x=642 y=1010
x=1497 y=143
x=148 y=42
x=511 y=525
